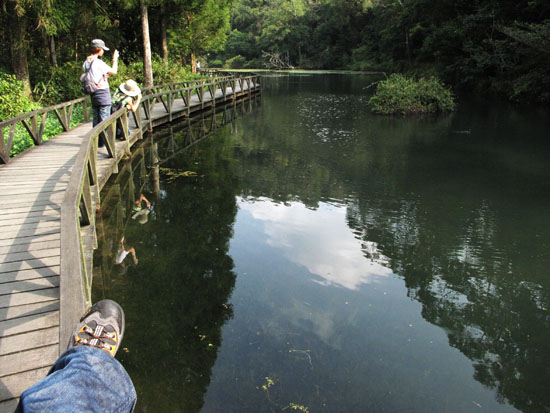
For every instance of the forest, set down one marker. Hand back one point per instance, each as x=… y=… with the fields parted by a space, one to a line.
x=486 y=46
x=496 y=47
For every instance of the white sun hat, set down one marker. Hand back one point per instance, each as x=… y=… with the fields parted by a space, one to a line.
x=130 y=88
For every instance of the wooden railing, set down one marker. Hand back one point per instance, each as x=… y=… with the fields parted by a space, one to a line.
x=34 y=122
x=78 y=233
x=30 y=120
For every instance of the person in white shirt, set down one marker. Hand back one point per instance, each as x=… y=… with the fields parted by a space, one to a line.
x=101 y=98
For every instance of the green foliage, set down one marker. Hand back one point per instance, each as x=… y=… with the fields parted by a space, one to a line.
x=58 y=84
x=215 y=63
x=401 y=95
x=13 y=101
x=163 y=73
x=478 y=46
x=200 y=26
x=236 y=62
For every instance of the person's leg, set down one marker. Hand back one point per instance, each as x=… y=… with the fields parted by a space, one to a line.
x=87 y=377
x=95 y=120
x=83 y=379
x=100 y=114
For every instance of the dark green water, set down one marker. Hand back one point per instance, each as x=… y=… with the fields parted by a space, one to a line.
x=311 y=255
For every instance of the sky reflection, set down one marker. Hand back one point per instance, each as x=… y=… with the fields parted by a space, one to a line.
x=329 y=251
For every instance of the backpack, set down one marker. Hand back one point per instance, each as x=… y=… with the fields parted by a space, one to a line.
x=89 y=86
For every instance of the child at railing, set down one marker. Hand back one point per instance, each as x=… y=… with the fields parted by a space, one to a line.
x=128 y=94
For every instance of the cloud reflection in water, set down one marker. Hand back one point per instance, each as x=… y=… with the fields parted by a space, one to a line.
x=320 y=240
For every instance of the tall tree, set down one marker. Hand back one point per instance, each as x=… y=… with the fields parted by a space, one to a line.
x=15 y=12
x=204 y=27
x=164 y=40
x=147 y=62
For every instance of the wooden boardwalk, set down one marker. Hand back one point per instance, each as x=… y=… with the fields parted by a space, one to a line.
x=32 y=187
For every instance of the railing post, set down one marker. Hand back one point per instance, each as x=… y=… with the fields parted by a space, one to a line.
x=4 y=154
x=85 y=110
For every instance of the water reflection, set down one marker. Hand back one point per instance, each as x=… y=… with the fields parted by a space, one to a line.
x=330 y=251
x=175 y=292
x=457 y=215
x=387 y=264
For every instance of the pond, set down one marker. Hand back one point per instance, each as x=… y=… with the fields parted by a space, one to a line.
x=301 y=254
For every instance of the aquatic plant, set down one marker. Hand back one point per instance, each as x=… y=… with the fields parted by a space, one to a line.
x=403 y=95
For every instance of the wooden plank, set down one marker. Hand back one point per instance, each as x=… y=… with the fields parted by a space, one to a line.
x=30 y=323
x=48 y=212
x=30 y=246
x=37 y=170
x=28 y=360
x=14 y=385
x=35 y=174
x=29 y=298
x=7 y=235
x=7 y=222
x=25 y=240
x=8 y=405
x=43 y=189
x=29 y=285
x=31 y=208
x=30 y=225
x=31 y=274
x=27 y=310
x=26 y=341
x=25 y=265
x=32 y=184
x=28 y=255
x=8 y=201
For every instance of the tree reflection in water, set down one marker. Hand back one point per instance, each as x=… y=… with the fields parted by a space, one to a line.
x=176 y=298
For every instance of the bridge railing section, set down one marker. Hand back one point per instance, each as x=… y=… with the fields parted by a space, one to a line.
x=78 y=230
x=34 y=123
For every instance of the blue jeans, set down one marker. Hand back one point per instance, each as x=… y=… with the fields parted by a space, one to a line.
x=100 y=114
x=82 y=379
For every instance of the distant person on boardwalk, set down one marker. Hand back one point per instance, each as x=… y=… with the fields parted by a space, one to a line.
x=101 y=98
x=128 y=94
x=87 y=377
x=198 y=67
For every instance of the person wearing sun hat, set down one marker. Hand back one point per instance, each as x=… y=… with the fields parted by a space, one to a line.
x=101 y=98
x=128 y=94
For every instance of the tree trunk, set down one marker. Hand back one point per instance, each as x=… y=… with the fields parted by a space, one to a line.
x=53 y=53
x=164 y=40
x=18 y=48
x=193 y=63
x=147 y=63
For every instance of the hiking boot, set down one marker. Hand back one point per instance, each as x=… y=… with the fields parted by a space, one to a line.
x=102 y=326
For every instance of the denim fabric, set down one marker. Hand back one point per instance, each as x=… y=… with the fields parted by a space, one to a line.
x=83 y=379
x=100 y=114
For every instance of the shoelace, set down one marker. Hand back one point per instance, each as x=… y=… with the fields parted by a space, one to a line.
x=97 y=337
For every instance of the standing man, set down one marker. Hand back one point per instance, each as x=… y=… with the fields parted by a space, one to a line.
x=101 y=98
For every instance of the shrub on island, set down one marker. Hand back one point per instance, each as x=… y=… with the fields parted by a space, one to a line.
x=401 y=95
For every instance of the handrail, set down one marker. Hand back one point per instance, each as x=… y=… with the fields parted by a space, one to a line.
x=82 y=194
x=35 y=131
x=64 y=111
